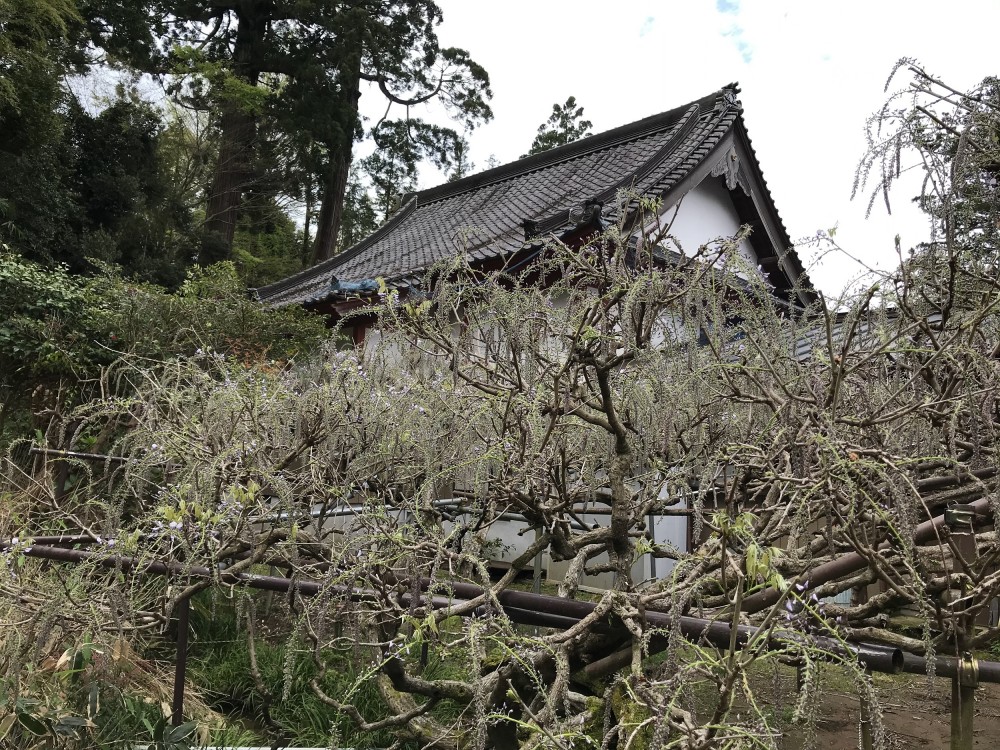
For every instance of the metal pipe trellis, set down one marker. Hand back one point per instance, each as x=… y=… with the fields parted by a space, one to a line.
x=521 y=607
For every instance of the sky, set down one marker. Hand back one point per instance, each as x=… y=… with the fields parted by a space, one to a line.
x=810 y=73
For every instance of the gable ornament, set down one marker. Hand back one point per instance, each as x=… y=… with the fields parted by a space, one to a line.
x=729 y=167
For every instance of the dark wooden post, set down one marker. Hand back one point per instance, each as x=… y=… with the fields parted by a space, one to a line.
x=536 y=574
x=62 y=481
x=180 y=669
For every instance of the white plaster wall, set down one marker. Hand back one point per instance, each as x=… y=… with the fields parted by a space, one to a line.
x=705 y=214
x=672 y=329
x=667 y=530
x=511 y=538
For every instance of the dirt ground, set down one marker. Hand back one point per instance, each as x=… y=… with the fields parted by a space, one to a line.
x=916 y=712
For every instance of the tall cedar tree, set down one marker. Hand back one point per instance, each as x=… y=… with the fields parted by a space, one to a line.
x=302 y=63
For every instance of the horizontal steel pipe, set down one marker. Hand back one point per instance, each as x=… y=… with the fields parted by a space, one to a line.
x=530 y=609
x=853 y=562
x=879 y=658
x=947 y=666
x=157 y=567
x=874 y=656
x=540 y=619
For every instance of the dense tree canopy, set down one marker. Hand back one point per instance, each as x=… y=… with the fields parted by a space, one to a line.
x=300 y=64
x=35 y=53
x=260 y=118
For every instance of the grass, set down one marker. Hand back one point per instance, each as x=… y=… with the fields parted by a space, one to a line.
x=221 y=667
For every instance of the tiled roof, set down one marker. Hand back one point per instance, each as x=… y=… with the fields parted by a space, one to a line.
x=483 y=215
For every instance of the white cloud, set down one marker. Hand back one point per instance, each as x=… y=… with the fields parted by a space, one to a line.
x=735 y=32
x=810 y=73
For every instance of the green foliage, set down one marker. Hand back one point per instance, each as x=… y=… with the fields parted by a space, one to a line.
x=35 y=203
x=44 y=331
x=168 y=737
x=264 y=68
x=29 y=722
x=360 y=213
x=116 y=163
x=211 y=311
x=75 y=699
x=131 y=212
x=266 y=246
x=215 y=79
x=56 y=324
x=565 y=125
x=401 y=146
x=288 y=707
x=34 y=43
x=278 y=98
x=459 y=164
x=59 y=332
x=109 y=186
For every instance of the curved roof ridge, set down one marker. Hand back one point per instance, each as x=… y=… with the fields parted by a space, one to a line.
x=789 y=252
x=575 y=149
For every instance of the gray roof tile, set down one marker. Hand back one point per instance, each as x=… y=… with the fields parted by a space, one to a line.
x=484 y=213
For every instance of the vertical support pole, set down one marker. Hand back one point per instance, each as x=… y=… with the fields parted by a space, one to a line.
x=867 y=741
x=180 y=669
x=962 y=707
x=963 y=702
x=963 y=684
x=536 y=581
x=651 y=520
x=269 y=595
x=62 y=480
